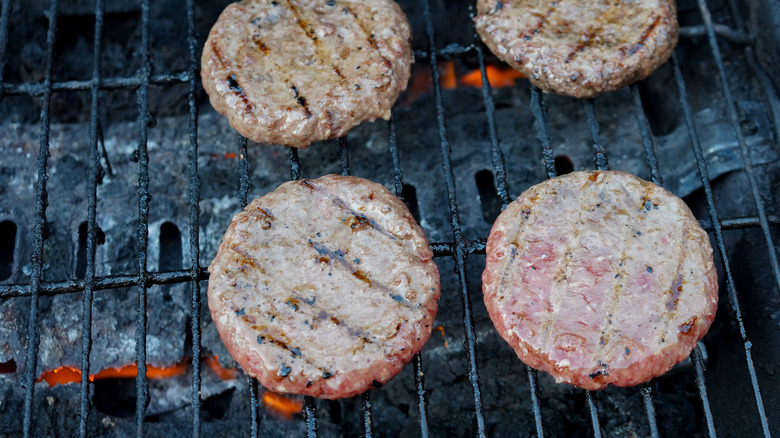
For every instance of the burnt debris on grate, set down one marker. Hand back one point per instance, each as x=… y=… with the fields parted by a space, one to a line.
x=74 y=279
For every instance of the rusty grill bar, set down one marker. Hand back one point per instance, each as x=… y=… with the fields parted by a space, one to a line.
x=459 y=248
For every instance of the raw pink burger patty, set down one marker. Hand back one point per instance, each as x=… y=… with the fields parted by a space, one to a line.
x=324 y=287
x=600 y=278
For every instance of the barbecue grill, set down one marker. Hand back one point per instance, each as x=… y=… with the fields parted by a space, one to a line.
x=118 y=180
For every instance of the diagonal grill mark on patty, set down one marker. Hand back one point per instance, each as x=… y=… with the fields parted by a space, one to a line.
x=313 y=309
x=357 y=273
x=233 y=84
x=247 y=259
x=588 y=36
x=370 y=39
x=608 y=329
x=677 y=281
x=301 y=100
x=563 y=266
x=321 y=51
x=631 y=49
x=273 y=338
x=344 y=206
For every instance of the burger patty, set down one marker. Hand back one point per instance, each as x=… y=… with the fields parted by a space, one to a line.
x=293 y=72
x=324 y=287
x=580 y=48
x=600 y=278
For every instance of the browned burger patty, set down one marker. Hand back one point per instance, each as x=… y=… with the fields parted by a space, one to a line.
x=580 y=48
x=324 y=287
x=293 y=72
x=600 y=278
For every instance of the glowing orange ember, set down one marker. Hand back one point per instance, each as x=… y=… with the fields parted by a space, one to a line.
x=281 y=405
x=447 y=76
x=219 y=370
x=64 y=375
x=61 y=375
x=497 y=77
x=441 y=330
x=228 y=155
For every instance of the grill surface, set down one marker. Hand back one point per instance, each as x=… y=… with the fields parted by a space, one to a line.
x=754 y=214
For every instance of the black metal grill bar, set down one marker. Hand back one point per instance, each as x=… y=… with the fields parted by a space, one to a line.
x=738 y=223
x=310 y=416
x=422 y=404
x=746 y=160
x=295 y=165
x=735 y=36
x=101 y=283
x=717 y=230
x=539 y=110
x=647 y=398
x=419 y=375
x=392 y=142
x=254 y=408
x=440 y=249
x=244 y=184
x=41 y=202
x=698 y=364
x=194 y=195
x=590 y=400
x=533 y=384
x=4 y=20
x=368 y=421
x=144 y=119
x=648 y=142
x=460 y=255
x=89 y=275
x=766 y=82
x=344 y=155
x=131 y=82
x=452 y=51
x=593 y=126
x=366 y=396
x=495 y=150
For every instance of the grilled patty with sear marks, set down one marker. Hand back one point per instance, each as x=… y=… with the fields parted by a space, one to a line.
x=600 y=278
x=293 y=72
x=324 y=287
x=580 y=48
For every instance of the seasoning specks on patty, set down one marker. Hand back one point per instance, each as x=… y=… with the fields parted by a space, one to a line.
x=580 y=48
x=324 y=287
x=294 y=72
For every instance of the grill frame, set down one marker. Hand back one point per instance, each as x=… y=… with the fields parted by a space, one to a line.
x=458 y=248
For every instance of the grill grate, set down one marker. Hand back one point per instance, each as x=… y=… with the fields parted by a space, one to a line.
x=459 y=248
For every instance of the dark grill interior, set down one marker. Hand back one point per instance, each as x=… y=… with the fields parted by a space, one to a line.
x=117 y=180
